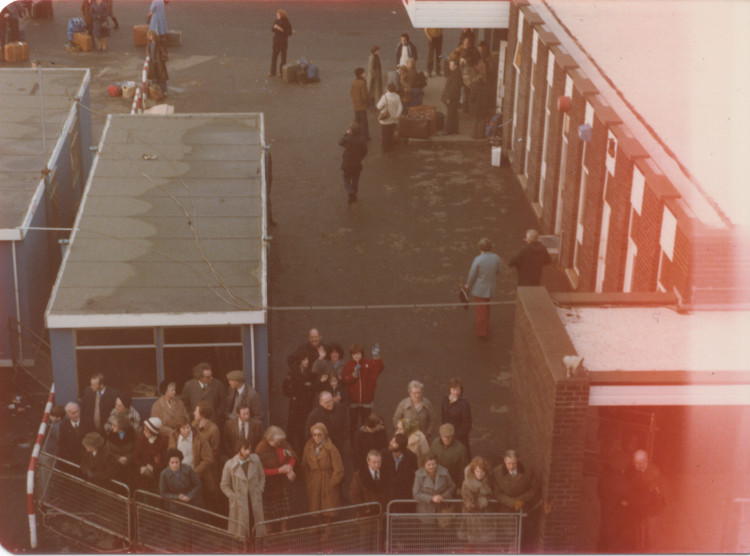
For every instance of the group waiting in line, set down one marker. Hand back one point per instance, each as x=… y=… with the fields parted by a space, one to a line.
x=209 y=441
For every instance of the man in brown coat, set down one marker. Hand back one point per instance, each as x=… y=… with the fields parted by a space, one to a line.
x=360 y=102
x=243 y=427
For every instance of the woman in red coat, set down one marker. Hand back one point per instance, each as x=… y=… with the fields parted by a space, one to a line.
x=360 y=376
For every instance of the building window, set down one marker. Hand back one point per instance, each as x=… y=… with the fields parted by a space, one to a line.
x=134 y=360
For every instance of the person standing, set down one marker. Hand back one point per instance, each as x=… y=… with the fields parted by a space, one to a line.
x=360 y=376
x=169 y=409
x=530 y=260
x=476 y=492
x=374 y=76
x=240 y=429
x=311 y=348
x=435 y=50
x=390 y=110
x=355 y=150
x=71 y=434
x=370 y=436
x=452 y=97
x=157 y=19
x=241 y=394
x=514 y=486
x=179 y=482
x=417 y=409
x=323 y=471
x=97 y=403
x=299 y=387
x=157 y=67
x=405 y=49
x=482 y=283
x=203 y=388
x=242 y=482
x=369 y=484
x=643 y=499
x=98 y=464
x=432 y=486
x=149 y=456
x=282 y=30
x=360 y=102
x=332 y=415
x=278 y=461
x=450 y=453
x=399 y=466
x=457 y=411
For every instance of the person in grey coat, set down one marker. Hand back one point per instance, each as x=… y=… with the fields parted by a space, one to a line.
x=374 y=76
x=482 y=283
x=432 y=486
x=180 y=482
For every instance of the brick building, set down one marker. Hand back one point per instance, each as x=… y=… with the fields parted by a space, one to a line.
x=615 y=153
x=676 y=384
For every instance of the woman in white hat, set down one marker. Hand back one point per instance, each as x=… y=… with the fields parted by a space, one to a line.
x=149 y=456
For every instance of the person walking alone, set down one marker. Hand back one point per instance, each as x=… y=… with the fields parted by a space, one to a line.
x=355 y=150
x=482 y=283
x=282 y=30
x=530 y=260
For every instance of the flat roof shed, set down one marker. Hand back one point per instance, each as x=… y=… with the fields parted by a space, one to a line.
x=168 y=258
x=45 y=135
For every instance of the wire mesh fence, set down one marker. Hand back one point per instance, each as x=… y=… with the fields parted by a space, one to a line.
x=91 y=515
x=171 y=526
x=451 y=531
x=352 y=530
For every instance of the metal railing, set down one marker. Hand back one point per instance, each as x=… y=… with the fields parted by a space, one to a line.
x=90 y=515
x=30 y=353
x=164 y=525
x=451 y=531
x=353 y=529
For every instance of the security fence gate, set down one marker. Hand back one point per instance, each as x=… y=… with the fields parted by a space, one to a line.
x=108 y=519
x=345 y=530
x=451 y=531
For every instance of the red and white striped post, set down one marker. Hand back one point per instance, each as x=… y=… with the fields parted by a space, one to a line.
x=144 y=79
x=136 y=98
x=32 y=465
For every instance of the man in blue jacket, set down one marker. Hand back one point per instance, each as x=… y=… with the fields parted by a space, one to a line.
x=482 y=283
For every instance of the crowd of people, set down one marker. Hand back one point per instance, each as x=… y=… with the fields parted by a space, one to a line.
x=207 y=447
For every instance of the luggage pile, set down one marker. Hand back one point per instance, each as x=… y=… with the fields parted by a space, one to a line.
x=300 y=72
x=421 y=122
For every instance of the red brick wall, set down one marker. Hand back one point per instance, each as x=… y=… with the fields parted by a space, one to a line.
x=572 y=178
x=551 y=413
x=554 y=145
x=596 y=152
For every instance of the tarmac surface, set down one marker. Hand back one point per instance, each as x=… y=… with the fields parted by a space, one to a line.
x=409 y=240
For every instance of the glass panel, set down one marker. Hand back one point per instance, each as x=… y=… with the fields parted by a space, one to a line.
x=202 y=335
x=130 y=370
x=179 y=362
x=115 y=337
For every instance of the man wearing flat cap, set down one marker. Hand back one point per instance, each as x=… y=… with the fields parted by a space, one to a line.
x=98 y=464
x=240 y=393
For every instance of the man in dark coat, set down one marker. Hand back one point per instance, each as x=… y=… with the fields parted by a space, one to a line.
x=369 y=484
x=355 y=150
x=405 y=49
x=97 y=403
x=514 y=486
x=311 y=349
x=530 y=260
x=452 y=97
x=239 y=394
x=399 y=466
x=71 y=434
x=332 y=415
x=203 y=388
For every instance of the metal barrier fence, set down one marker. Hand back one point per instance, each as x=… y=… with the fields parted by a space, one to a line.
x=87 y=514
x=164 y=525
x=353 y=529
x=451 y=531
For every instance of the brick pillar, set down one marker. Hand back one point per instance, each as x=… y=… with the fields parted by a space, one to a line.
x=566 y=465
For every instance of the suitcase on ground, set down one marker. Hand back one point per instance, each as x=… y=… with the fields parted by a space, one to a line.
x=16 y=52
x=174 y=38
x=289 y=72
x=139 y=34
x=313 y=73
x=84 y=41
x=414 y=128
x=425 y=111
